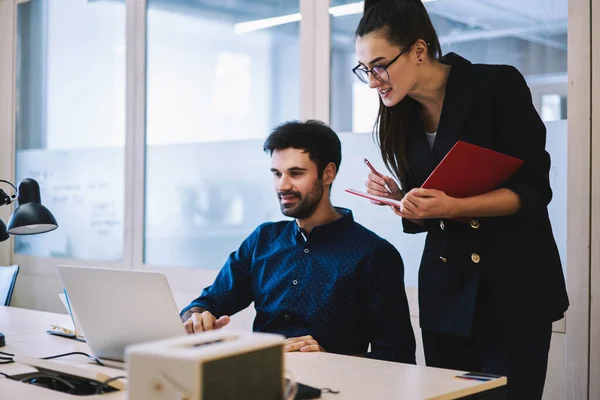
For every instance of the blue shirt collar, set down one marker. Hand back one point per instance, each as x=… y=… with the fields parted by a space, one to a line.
x=328 y=228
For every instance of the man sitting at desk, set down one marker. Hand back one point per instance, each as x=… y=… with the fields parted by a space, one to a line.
x=322 y=280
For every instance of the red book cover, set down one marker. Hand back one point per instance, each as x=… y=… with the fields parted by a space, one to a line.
x=470 y=170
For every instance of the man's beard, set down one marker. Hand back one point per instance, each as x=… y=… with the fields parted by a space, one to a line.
x=306 y=205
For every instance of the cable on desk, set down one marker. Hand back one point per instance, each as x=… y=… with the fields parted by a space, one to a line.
x=31 y=378
x=7 y=376
x=106 y=382
x=9 y=360
x=7 y=354
x=71 y=387
x=91 y=357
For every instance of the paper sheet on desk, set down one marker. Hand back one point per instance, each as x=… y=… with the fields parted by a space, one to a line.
x=76 y=325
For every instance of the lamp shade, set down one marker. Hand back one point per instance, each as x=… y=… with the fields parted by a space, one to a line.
x=30 y=217
x=3 y=234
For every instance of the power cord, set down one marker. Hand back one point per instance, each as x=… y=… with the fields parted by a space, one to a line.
x=10 y=360
x=80 y=353
x=106 y=382
x=6 y=360
x=7 y=376
x=70 y=386
x=33 y=377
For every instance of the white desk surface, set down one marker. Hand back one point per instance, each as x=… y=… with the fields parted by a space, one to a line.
x=355 y=378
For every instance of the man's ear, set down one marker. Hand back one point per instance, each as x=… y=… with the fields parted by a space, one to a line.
x=329 y=173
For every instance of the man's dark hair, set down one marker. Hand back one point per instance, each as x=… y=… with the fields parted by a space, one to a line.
x=313 y=137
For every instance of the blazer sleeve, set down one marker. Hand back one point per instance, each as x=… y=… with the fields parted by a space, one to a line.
x=407 y=225
x=522 y=134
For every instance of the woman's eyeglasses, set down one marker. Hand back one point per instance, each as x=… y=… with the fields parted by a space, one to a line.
x=379 y=71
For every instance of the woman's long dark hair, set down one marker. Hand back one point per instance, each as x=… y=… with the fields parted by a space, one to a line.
x=402 y=23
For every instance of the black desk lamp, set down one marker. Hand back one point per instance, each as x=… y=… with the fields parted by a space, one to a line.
x=30 y=217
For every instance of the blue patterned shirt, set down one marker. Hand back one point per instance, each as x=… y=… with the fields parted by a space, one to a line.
x=344 y=286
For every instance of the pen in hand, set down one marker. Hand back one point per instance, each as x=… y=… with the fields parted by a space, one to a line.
x=373 y=170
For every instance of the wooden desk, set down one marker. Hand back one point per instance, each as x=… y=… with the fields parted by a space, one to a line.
x=355 y=378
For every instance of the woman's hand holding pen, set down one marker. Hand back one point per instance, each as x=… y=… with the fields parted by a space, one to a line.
x=416 y=205
x=381 y=185
x=426 y=204
x=376 y=184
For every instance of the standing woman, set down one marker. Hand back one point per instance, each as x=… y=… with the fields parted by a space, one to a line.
x=490 y=289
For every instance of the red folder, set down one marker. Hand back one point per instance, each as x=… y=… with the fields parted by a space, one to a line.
x=470 y=170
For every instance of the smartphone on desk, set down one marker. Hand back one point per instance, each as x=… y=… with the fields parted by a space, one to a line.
x=479 y=376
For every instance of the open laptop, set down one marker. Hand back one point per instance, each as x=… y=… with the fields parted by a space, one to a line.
x=117 y=308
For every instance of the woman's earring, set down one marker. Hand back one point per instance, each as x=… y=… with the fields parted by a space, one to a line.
x=420 y=60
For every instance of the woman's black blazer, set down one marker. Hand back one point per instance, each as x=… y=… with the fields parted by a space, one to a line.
x=507 y=268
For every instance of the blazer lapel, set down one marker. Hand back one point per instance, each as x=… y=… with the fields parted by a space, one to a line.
x=458 y=100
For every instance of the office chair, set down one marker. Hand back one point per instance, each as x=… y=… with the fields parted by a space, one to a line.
x=8 y=277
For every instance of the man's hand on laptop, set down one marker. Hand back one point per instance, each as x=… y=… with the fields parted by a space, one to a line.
x=302 y=343
x=204 y=321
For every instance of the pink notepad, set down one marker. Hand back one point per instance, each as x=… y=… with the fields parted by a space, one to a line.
x=384 y=200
